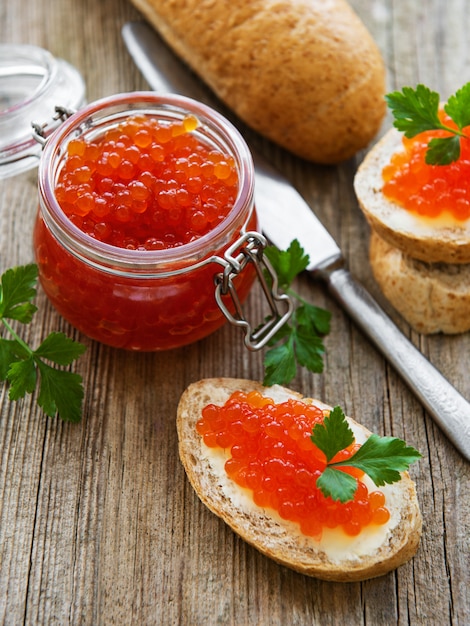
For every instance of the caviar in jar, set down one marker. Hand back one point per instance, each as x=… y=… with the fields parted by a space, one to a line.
x=139 y=194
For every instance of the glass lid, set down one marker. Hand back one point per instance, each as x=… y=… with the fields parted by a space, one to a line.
x=32 y=84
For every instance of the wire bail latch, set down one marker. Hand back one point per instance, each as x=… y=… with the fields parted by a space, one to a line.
x=249 y=248
x=39 y=130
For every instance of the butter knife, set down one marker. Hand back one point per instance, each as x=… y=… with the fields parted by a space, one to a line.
x=284 y=215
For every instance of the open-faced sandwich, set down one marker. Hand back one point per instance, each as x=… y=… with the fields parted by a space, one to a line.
x=414 y=190
x=295 y=479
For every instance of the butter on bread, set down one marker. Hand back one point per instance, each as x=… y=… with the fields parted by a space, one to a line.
x=277 y=538
x=304 y=73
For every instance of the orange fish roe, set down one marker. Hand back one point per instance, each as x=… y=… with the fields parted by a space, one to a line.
x=147 y=185
x=141 y=186
x=429 y=190
x=272 y=454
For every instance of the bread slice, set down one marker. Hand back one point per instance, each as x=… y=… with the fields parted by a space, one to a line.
x=430 y=240
x=374 y=552
x=432 y=297
x=307 y=75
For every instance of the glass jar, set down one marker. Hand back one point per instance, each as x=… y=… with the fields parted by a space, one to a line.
x=145 y=300
x=32 y=83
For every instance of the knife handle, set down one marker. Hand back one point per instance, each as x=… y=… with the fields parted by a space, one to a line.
x=443 y=402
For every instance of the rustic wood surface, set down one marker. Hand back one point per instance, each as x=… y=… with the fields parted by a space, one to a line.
x=98 y=524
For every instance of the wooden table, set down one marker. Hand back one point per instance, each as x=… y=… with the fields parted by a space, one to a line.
x=98 y=524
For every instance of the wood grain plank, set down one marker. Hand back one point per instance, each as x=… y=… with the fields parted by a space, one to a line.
x=98 y=524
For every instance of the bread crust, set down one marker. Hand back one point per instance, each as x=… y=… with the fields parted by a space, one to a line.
x=275 y=537
x=427 y=240
x=304 y=73
x=432 y=297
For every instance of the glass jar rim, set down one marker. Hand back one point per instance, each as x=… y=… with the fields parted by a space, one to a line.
x=125 y=105
x=119 y=107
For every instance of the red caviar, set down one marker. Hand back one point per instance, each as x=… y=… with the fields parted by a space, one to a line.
x=429 y=190
x=134 y=208
x=272 y=454
x=145 y=185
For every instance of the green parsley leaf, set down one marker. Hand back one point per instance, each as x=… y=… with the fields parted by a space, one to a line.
x=60 y=391
x=60 y=349
x=337 y=484
x=22 y=376
x=309 y=348
x=333 y=435
x=381 y=458
x=17 y=289
x=302 y=336
x=417 y=110
x=309 y=316
x=443 y=150
x=280 y=367
x=10 y=351
x=287 y=263
x=458 y=106
x=303 y=345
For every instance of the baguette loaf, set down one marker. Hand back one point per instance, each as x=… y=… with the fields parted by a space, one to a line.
x=337 y=557
x=304 y=73
x=432 y=297
x=431 y=240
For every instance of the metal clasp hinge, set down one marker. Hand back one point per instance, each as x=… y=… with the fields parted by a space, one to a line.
x=39 y=130
x=249 y=249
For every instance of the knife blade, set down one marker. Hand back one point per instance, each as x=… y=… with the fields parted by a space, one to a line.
x=284 y=215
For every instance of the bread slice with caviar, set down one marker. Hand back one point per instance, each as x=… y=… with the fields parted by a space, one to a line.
x=432 y=297
x=430 y=240
x=334 y=555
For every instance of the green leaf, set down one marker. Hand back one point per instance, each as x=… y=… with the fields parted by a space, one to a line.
x=309 y=349
x=336 y=484
x=22 y=313
x=60 y=392
x=443 y=150
x=287 y=263
x=280 y=366
x=10 y=351
x=458 y=106
x=334 y=434
x=303 y=344
x=313 y=317
x=60 y=349
x=17 y=289
x=415 y=110
x=22 y=376
x=382 y=459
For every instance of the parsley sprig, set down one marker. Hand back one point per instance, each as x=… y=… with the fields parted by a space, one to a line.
x=60 y=390
x=381 y=458
x=417 y=111
x=300 y=341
